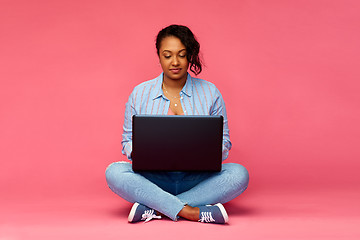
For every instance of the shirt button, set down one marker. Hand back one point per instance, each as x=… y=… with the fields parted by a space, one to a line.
x=181 y=98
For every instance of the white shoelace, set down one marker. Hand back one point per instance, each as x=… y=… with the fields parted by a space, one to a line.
x=206 y=217
x=148 y=215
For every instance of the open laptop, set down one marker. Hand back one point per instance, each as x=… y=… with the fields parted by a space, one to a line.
x=177 y=143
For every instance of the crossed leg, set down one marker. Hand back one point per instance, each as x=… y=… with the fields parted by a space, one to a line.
x=217 y=187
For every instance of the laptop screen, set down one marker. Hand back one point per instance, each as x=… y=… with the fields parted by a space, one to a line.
x=177 y=143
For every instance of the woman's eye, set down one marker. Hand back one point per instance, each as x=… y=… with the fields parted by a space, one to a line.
x=167 y=56
x=182 y=56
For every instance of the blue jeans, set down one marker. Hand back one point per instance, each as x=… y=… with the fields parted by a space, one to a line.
x=169 y=192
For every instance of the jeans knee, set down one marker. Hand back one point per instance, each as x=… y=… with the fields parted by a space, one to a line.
x=238 y=172
x=115 y=170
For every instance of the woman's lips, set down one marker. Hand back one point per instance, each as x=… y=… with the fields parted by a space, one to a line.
x=175 y=70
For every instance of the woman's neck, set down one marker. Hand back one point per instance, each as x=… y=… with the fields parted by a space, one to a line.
x=175 y=85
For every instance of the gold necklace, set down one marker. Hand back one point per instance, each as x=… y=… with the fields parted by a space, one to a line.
x=168 y=92
x=175 y=104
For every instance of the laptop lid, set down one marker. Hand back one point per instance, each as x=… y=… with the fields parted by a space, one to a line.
x=177 y=143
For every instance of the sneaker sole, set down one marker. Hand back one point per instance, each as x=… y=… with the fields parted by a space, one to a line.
x=132 y=212
x=223 y=212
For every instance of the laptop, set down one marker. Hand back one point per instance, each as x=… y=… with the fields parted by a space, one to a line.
x=177 y=143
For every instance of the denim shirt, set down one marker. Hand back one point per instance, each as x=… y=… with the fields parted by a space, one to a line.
x=198 y=97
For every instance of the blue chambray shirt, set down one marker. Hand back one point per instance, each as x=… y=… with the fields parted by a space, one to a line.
x=198 y=97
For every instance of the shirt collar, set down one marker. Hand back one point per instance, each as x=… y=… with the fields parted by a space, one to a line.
x=158 y=92
x=187 y=89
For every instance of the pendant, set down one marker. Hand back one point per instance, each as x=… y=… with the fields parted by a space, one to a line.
x=175 y=104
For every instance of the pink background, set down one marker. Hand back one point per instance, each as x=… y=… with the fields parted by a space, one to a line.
x=288 y=71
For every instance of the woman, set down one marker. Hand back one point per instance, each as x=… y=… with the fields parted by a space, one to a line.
x=175 y=92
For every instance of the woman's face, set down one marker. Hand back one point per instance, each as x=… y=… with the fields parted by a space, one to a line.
x=172 y=56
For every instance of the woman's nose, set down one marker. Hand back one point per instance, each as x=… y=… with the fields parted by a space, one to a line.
x=175 y=61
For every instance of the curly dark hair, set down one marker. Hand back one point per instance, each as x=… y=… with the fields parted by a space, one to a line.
x=188 y=39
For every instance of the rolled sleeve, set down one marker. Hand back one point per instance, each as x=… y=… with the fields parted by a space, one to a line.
x=220 y=109
x=127 y=149
x=127 y=128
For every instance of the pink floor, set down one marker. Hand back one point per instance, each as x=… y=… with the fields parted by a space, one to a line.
x=257 y=214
